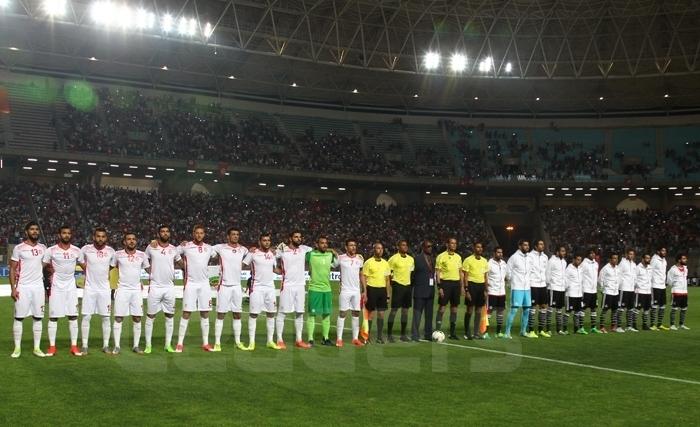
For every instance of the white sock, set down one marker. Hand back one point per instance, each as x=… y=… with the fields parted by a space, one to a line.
x=37 y=327
x=85 y=329
x=73 y=329
x=137 y=333
x=117 y=334
x=204 y=324
x=252 y=323
x=218 y=330
x=52 y=327
x=17 y=332
x=149 y=330
x=182 y=331
x=106 y=331
x=298 y=326
x=355 y=327
x=280 y=326
x=339 y=328
x=270 y=329
x=169 y=328
x=237 y=330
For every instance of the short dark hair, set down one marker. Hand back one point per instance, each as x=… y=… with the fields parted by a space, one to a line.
x=230 y=229
x=321 y=236
x=658 y=248
x=30 y=224
x=63 y=227
x=579 y=255
x=99 y=230
x=348 y=241
x=378 y=242
x=401 y=241
x=162 y=226
x=478 y=243
x=680 y=255
x=612 y=254
x=496 y=249
x=295 y=231
x=561 y=247
x=197 y=227
x=265 y=234
x=592 y=251
x=537 y=242
x=128 y=233
x=451 y=238
x=628 y=250
x=521 y=241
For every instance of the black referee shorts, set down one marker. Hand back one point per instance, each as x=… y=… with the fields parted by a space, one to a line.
x=376 y=299
x=451 y=292
x=401 y=295
x=476 y=294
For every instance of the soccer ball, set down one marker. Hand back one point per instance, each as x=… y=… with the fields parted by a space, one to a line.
x=438 y=336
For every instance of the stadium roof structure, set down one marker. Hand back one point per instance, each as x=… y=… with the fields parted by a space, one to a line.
x=515 y=57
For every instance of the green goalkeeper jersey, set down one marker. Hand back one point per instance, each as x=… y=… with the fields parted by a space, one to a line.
x=320 y=264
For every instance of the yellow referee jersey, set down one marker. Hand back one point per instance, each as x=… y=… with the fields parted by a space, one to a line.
x=475 y=269
x=448 y=265
x=401 y=268
x=376 y=272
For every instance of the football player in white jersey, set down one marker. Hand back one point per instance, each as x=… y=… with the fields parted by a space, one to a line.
x=229 y=297
x=61 y=259
x=164 y=258
x=97 y=295
x=197 y=293
x=27 y=287
x=291 y=260
x=127 y=298
x=352 y=281
x=262 y=289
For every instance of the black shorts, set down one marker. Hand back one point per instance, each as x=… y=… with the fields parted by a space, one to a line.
x=627 y=299
x=451 y=292
x=476 y=292
x=557 y=299
x=680 y=301
x=590 y=301
x=496 y=302
x=539 y=296
x=575 y=304
x=376 y=299
x=611 y=302
x=658 y=296
x=401 y=295
x=644 y=301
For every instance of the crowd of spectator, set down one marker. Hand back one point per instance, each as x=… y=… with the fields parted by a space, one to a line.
x=616 y=230
x=687 y=162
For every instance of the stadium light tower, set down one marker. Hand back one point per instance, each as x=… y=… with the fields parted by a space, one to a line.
x=431 y=60
x=144 y=19
x=167 y=23
x=458 y=62
x=509 y=67
x=102 y=13
x=4 y=3
x=54 y=8
x=486 y=64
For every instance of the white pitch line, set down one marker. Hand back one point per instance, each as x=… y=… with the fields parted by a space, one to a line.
x=580 y=365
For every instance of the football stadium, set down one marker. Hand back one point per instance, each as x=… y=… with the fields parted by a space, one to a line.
x=306 y=212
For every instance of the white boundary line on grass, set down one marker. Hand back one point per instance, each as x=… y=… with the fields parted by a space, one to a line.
x=580 y=365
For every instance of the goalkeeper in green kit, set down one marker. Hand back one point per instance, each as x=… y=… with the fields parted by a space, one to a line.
x=319 y=263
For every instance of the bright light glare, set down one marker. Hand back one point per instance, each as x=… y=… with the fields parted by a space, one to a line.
x=208 y=30
x=102 y=12
x=431 y=60
x=124 y=17
x=509 y=67
x=486 y=65
x=458 y=62
x=55 y=7
x=144 y=19
x=167 y=23
x=4 y=3
x=187 y=27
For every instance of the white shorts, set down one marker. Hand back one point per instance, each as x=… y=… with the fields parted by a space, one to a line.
x=161 y=299
x=30 y=302
x=349 y=301
x=196 y=297
x=293 y=299
x=263 y=299
x=97 y=302
x=63 y=302
x=128 y=302
x=229 y=298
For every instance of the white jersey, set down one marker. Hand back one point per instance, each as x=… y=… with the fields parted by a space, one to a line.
x=498 y=270
x=230 y=263
x=678 y=280
x=63 y=262
x=162 y=259
x=518 y=269
x=262 y=266
x=350 y=268
x=658 y=272
x=196 y=262
x=609 y=280
x=627 y=270
x=574 y=281
x=293 y=264
x=589 y=276
x=30 y=265
x=97 y=263
x=556 y=271
x=130 y=266
x=642 y=281
x=538 y=269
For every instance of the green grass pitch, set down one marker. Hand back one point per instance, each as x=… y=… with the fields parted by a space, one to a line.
x=406 y=383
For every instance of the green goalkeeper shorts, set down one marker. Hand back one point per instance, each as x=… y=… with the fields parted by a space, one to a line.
x=320 y=303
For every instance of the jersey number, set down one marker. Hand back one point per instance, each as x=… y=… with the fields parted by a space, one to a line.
x=35 y=252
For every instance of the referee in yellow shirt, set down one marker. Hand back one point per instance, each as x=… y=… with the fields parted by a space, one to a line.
x=401 y=264
x=475 y=281
x=377 y=288
x=448 y=274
